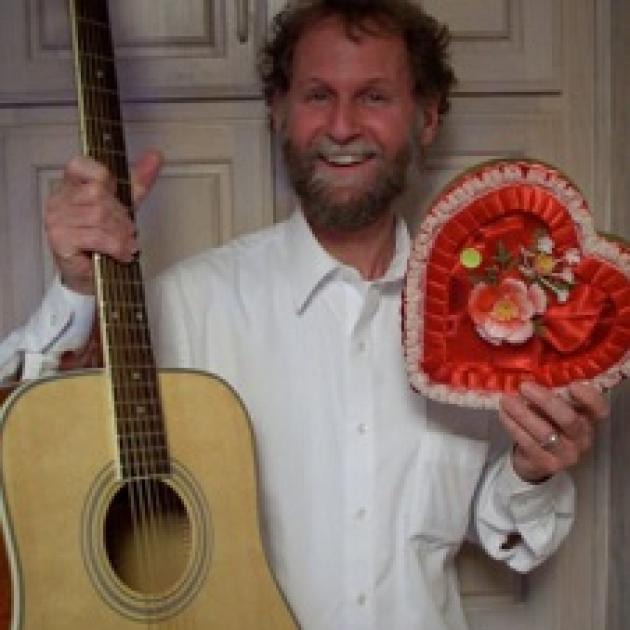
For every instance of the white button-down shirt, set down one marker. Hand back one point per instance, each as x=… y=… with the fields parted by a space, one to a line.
x=366 y=487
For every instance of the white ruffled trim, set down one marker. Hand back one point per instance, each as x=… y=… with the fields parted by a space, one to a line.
x=491 y=179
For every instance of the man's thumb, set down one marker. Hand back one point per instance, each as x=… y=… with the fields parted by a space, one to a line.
x=144 y=173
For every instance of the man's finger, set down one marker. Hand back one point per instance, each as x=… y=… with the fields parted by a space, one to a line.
x=590 y=399
x=527 y=419
x=555 y=408
x=144 y=173
x=82 y=168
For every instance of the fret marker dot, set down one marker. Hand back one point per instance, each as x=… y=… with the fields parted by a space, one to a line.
x=139 y=316
x=107 y=137
x=114 y=314
x=140 y=409
x=135 y=376
x=99 y=74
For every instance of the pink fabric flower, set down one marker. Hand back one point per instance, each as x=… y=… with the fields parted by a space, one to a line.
x=504 y=312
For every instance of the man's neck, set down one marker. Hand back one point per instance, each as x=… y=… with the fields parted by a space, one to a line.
x=369 y=250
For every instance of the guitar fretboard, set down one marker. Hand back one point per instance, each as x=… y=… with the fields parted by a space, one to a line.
x=142 y=445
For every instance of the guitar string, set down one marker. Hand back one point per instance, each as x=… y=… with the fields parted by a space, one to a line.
x=91 y=72
x=127 y=441
x=135 y=413
x=137 y=337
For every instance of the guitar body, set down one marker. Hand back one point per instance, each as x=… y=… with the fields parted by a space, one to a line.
x=77 y=563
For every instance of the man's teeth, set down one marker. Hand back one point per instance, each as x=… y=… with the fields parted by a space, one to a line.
x=346 y=159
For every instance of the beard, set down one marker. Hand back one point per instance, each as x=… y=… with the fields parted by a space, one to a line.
x=351 y=202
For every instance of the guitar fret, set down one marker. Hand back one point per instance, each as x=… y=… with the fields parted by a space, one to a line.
x=159 y=454
x=91 y=55
x=145 y=465
x=142 y=443
x=102 y=151
x=93 y=22
x=131 y=437
x=130 y=346
x=124 y=303
x=132 y=333
x=140 y=405
x=145 y=475
x=145 y=446
x=128 y=425
x=129 y=416
x=100 y=89
x=128 y=283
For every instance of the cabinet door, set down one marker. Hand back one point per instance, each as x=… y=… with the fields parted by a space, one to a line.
x=165 y=48
x=199 y=201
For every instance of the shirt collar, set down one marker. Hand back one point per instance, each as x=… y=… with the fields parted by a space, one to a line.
x=309 y=265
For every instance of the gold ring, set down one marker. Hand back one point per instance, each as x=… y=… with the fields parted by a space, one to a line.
x=552 y=439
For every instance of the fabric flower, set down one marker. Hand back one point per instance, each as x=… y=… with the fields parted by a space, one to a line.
x=572 y=256
x=504 y=312
x=562 y=295
x=544 y=263
x=545 y=244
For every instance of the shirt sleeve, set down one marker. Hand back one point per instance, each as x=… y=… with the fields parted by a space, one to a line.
x=62 y=322
x=521 y=523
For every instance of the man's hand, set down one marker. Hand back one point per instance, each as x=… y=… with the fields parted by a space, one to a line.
x=84 y=216
x=551 y=433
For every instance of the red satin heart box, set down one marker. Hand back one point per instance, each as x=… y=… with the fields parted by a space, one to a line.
x=508 y=281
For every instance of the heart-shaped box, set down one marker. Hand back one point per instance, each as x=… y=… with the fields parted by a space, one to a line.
x=508 y=281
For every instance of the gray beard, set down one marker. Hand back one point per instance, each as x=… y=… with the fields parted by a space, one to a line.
x=362 y=209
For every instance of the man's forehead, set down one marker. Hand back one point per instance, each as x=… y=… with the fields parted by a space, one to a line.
x=336 y=27
x=329 y=44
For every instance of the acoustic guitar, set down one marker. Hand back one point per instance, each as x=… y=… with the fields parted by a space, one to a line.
x=129 y=494
x=5 y=576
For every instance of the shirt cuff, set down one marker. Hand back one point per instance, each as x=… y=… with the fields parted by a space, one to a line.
x=529 y=501
x=63 y=322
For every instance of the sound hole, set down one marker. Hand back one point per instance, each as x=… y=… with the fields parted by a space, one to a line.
x=148 y=536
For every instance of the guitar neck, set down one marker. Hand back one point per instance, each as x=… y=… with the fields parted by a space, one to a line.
x=123 y=319
x=102 y=132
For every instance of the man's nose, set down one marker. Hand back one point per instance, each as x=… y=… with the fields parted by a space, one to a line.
x=343 y=124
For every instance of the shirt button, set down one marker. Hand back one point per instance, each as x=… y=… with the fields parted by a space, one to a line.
x=361 y=347
x=361 y=599
x=53 y=319
x=360 y=514
x=362 y=428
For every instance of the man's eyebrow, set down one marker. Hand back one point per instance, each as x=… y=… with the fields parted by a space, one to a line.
x=374 y=81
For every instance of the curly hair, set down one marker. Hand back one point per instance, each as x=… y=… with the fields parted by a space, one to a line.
x=426 y=40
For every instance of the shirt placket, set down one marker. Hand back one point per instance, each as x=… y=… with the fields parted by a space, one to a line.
x=359 y=504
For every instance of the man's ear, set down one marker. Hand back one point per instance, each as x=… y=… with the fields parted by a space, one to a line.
x=430 y=122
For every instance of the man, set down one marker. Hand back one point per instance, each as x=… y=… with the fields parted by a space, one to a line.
x=367 y=489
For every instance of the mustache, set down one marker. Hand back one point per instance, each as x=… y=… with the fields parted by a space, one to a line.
x=327 y=148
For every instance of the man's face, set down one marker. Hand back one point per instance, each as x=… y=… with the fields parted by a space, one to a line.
x=348 y=123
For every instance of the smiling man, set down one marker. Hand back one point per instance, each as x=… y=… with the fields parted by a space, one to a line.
x=367 y=490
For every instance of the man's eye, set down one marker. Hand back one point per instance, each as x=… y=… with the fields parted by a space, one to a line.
x=375 y=97
x=317 y=96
